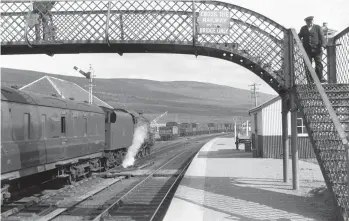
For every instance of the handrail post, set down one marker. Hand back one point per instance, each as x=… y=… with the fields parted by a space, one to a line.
x=331 y=61
x=294 y=148
x=287 y=68
x=285 y=140
x=294 y=110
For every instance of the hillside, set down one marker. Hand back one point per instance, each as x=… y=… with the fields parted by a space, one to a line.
x=183 y=100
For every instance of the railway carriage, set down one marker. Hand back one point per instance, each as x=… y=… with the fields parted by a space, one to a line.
x=41 y=133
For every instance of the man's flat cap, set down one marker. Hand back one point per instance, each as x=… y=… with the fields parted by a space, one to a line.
x=309 y=18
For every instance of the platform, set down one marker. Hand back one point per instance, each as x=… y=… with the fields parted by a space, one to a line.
x=226 y=184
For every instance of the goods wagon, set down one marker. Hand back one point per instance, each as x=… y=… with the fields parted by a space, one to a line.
x=184 y=125
x=168 y=133
x=171 y=124
x=211 y=127
x=182 y=129
x=203 y=129
x=189 y=131
x=182 y=132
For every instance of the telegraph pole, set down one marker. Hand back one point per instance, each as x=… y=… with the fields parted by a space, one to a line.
x=255 y=93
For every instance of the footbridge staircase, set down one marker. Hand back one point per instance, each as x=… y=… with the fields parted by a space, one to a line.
x=266 y=48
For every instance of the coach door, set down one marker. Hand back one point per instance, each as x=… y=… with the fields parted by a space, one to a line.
x=108 y=130
x=44 y=133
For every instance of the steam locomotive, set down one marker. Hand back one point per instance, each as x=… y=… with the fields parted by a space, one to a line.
x=41 y=133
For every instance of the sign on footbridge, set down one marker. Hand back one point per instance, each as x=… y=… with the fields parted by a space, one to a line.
x=214 y=22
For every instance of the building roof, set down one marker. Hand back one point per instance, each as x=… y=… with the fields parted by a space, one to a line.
x=25 y=97
x=265 y=104
x=63 y=89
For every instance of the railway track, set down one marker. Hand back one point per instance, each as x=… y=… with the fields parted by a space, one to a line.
x=145 y=201
x=56 y=204
x=38 y=193
x=163 y=149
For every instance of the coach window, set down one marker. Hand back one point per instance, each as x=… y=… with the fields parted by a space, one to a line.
x=63 y=124
x=2 y=126
x=26 y=126
x=85 y=119
x=43 y=126
x=76 y=128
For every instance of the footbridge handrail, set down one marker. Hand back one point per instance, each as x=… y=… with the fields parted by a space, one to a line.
x=341 y=51
x=319 y=87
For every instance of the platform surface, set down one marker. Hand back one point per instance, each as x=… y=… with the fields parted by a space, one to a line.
x=226 y=184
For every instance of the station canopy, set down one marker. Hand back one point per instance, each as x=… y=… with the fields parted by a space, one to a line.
x=62 y=88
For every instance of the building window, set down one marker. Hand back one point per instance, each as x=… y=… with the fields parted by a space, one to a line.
x=63 y=125
x=301 y=129
x=26 y=126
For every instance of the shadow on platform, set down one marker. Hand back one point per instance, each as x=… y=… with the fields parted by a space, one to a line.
x=225 y=153
x=228 y=196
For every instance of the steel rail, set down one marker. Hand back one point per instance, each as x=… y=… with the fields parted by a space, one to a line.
x=169 y=190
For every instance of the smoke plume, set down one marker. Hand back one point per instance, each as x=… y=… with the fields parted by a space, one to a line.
x=138 y=139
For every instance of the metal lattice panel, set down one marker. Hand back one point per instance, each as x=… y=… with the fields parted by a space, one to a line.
x=329 y=147
x=252 y=36
x=342 y=56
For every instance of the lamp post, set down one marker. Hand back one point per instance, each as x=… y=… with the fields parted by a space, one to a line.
x=236 y=119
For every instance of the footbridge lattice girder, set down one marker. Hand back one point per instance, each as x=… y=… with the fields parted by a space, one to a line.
x=252 y=36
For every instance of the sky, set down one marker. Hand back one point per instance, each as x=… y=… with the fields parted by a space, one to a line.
x=173 y=67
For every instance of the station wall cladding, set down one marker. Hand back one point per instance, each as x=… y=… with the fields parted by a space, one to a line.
x=267 y=132
x=271 y=147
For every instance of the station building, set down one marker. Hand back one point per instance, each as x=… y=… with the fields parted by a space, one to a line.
x=267 y=131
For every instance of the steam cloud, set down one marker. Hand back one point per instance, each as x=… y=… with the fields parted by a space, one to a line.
x=138 y=139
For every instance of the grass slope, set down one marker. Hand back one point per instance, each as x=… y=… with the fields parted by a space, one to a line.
x=185 y=101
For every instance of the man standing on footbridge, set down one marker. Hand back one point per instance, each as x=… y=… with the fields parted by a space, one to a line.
x=313 y=41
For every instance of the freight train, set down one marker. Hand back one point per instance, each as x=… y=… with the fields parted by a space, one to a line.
x=41 y=133
x=173 y=130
